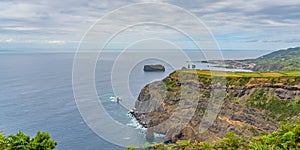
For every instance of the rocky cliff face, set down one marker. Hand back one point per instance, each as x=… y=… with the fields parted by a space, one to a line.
x=179 y=106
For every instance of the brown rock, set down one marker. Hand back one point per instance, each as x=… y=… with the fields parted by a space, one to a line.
x=150 y=134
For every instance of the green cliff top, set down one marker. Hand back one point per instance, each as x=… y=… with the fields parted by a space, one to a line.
x=209 y=73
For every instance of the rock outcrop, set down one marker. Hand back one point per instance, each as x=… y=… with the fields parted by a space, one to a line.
x=154 y=68
x=183 y=105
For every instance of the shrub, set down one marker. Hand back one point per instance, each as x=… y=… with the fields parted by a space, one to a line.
x=20 y=141
x=287 y=137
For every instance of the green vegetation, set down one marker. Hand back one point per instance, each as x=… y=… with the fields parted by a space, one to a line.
x=239 y=81
x=20 y=141
x=258 y=98
x=204 y=79
x=287 y=137
x=280 y=60
x=171 y=85
x=281 y=109
x=205 y=94
x=208 y=77
x=209 y=73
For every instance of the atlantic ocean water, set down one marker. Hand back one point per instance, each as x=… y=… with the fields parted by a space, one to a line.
x=36 y=94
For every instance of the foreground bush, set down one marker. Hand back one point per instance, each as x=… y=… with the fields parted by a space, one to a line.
x=287 y=137
x=20 y=141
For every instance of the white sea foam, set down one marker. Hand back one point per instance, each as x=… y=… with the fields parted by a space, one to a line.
x=126 y=138
x=157 y=135
x=112 y=99
x=134 y=124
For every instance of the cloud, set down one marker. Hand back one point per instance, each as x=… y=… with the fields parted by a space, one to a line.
x=234 y=20
x=20 y=28
x=56 y=42
x=272 y=41
x=251 y=41
x=10 y=40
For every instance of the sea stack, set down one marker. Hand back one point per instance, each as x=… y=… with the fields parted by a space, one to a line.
x=154 y=68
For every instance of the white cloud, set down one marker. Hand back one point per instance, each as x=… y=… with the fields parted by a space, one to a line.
x=10 y=40
x=59 y=42
x=20 y=28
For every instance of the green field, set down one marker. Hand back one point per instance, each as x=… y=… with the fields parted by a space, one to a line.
x=209 y=73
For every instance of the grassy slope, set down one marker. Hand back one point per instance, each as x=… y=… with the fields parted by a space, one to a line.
x=280 y=60
x=209 y=73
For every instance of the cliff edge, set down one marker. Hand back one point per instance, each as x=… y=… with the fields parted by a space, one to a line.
x=249 y=104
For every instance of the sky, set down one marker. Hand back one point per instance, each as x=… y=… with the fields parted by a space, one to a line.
x=235 y=24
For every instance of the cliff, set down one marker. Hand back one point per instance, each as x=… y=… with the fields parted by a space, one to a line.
x=246 y=103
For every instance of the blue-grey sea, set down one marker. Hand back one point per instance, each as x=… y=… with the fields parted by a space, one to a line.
x=36 y=94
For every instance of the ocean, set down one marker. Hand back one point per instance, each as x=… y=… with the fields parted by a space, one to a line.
x=36 y=93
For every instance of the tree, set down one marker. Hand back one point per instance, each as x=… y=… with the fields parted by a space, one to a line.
x=20 y=141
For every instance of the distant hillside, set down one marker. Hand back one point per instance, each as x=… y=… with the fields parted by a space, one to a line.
x=281 y=60
x=281 y=54
x=288 y=59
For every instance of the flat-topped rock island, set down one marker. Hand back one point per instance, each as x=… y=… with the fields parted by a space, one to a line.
x=154 y=68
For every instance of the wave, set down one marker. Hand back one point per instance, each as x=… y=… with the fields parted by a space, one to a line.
x=135 y=124
x=113 y=98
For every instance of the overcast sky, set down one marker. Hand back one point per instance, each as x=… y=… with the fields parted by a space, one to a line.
x=235 y=24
